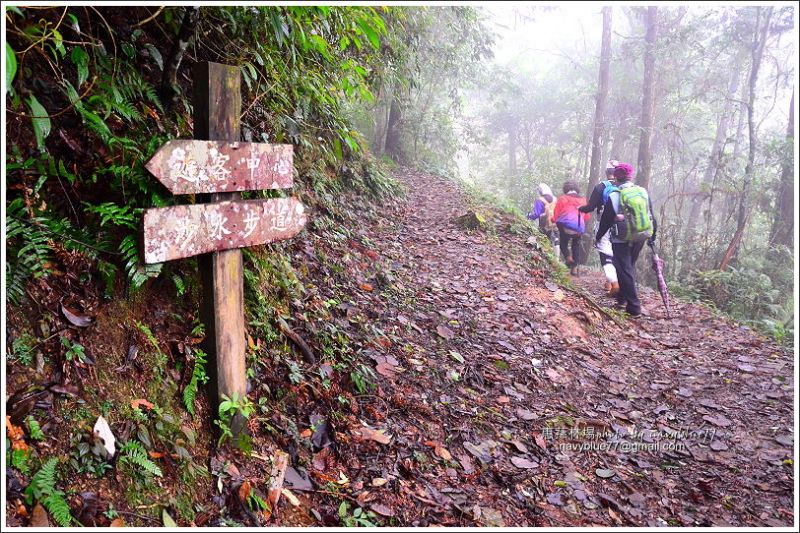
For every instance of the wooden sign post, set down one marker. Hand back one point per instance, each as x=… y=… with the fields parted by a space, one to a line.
x=216 y=166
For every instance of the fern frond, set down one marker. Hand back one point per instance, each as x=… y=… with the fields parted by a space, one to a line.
x=58 y=508
x=43 y=482
x=136 y=455
x=198 y=376
x=138 y=272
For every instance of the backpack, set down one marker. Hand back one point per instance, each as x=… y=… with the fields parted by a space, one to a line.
x=635 y=205
x=549 y=209
x=609 y=188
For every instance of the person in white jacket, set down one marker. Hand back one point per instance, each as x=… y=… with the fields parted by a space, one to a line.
x=597 y=200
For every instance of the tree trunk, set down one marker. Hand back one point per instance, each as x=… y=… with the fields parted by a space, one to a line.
x=170 y=90
x=783 y=225
x=648 y=107
x=392 y=147
x=759 y=39
x=600 y=107
x=700 y=196
x=512 y=156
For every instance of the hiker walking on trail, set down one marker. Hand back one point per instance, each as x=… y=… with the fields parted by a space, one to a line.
x=543 y=209
x=597 y=200
x=571 y=224
x=628 y=214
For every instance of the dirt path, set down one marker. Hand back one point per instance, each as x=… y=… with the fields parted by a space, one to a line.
x=511 y=401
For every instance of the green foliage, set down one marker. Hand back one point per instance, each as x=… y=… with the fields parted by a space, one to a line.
x=256 y=503
x=40 y=120
x=42 y=488
x=359 y=518
x=20 y=459
x=134 y=455
x=363 y=378
x=138 y=272
x=11 y=66
x=86 y=459
x=34 y=429
x=22 y=349
x=228 y=409
x=74 y=350
x=29 y=251
x=199 y=376
x=757 y=291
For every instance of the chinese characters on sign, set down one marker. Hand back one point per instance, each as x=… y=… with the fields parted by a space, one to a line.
x=191 y=166
x=187 y=230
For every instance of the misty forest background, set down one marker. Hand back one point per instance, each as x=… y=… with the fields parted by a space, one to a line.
x=699 y=100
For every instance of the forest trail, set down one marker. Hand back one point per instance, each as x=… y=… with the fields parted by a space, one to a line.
x=511 y=401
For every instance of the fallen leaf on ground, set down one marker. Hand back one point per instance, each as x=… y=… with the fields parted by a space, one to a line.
x=141 y=402
x=372 y=434
x=445 y=332
x=379 y=482
x=443 y=453
x=521 y=462
x=39 y=517
x=291 y=497
x=719 y=421
x=605 y=473
x=366 y=287
x=102 y=432
x=76 y=318
x=381 y=509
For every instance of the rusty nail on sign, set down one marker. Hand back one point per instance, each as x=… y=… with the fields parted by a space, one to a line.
x=194 y=166
x=186 y=230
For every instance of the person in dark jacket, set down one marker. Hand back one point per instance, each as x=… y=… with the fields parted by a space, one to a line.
x=596 y=202
x=625 y=253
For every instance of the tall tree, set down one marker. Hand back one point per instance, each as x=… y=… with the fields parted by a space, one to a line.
x=392 y=147
x=783 y=223
x=648 y=104
x=703 y=192
x=600 y=106
x=760 y=34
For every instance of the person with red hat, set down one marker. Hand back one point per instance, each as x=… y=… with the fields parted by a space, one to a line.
x=628 y=215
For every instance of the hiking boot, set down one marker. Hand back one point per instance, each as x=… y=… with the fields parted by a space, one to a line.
x=613 y=289
x=573 y=271
x=634 y=314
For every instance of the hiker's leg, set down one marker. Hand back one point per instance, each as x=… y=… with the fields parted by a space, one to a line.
x=576 y=249
x=563 y=243
x=607 y=262
x=625 y=274
x=636 y=249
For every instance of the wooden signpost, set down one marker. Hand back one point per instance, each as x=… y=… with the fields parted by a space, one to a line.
x=216 y=165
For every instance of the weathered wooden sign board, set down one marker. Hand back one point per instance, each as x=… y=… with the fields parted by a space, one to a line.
x=187 y=230
x=217 y=165
x=191 y=166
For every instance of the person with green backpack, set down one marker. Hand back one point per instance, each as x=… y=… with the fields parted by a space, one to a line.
x=628 y=214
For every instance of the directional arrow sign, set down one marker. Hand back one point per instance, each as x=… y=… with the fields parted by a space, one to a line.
x=190 y=166
x=187 y=230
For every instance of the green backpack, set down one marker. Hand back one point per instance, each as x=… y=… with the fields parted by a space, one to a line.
x=636 y=207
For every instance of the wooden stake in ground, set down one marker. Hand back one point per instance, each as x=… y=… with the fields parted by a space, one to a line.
x=218 y=228
x=217 y=104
